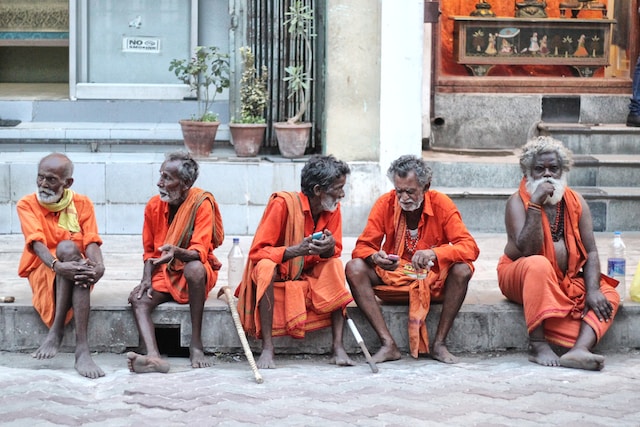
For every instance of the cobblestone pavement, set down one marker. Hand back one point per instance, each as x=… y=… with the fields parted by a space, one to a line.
x=498 y=389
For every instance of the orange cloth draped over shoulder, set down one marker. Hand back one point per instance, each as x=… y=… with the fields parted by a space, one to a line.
x=197 y=225
x=555 y=297
x=306 y=289
x=441 y=229
x=40 y=224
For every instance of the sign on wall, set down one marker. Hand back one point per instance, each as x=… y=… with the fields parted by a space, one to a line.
x=140 y=44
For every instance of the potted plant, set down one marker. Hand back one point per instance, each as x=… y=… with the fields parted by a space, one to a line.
x=247 y=132
x=207 y=74
x=293 y=134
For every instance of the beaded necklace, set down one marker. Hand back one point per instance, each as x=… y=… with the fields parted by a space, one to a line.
x=411 y=241
x=557 y=228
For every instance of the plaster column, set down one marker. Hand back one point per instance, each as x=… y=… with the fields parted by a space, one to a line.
x=352 y=81
x=400 y=80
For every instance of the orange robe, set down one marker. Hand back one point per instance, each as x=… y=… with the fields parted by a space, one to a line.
x=197 y=226
x=441 y=229
x=40 y=225
x=306 y=289
x=548 y=294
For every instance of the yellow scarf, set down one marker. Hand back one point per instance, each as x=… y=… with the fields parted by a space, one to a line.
x=68 y=219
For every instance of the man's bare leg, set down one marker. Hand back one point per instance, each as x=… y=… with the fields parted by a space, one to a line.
x=340 y=356
x=540 y=351
x=455 y=290
x=196 y=277
x=580 y=356
x=51 y=344
x=265 y=305
x=361 y=277
x=81 y=307
x=142 y=309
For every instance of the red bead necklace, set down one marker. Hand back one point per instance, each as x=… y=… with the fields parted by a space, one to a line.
x=557 y=228
x=410 y=242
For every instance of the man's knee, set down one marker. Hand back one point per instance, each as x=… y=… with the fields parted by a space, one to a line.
x=68 y=251
x=195 y=273
x=356 y=269
x=461 y=273
x=537 y=264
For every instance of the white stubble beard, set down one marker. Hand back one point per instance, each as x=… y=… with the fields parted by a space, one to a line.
x=48 y=196
x=329 y=204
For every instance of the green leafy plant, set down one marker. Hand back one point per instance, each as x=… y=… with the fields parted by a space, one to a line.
x=299 y=22
x=253 y=90
x=207 y=74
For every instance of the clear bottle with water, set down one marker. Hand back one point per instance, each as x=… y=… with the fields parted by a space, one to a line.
x=236 y=264
x=616 y=263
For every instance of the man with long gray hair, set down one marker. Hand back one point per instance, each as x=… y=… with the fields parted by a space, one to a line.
x=550 y=263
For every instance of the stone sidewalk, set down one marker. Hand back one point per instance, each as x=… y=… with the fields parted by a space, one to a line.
x=490 y=389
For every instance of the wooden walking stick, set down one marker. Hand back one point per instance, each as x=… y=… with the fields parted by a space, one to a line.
x=226 y=291
x=360 y=342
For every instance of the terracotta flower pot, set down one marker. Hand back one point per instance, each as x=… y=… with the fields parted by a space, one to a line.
x=199 y=137
x=247 y=138
x=292 y=138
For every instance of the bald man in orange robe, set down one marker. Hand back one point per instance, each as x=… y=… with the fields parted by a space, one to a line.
x=550 y=263
x=61 y=258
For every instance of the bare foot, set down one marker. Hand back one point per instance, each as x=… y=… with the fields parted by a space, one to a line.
x=144 y=364
x=582 y=359
x=341 y=358
x=441 y=354
x=198 y=359
x=386 y=354
x=266 y=360
x=49 y=348
x=540 y=352
x=87 y=367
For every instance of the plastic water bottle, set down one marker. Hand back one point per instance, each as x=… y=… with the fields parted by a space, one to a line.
x=616 y=263
x=236 y=264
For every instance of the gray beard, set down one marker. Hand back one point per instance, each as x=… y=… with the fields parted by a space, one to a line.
x=559 y=186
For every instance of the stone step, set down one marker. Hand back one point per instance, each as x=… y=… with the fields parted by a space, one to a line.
x=594 y=138
x=486 y=322
x=502 y=170
x=120 y=111
x=97 y=136
x=612 y=208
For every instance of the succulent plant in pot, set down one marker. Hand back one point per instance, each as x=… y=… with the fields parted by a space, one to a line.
x=247 y=131
x=293 y=134
x=207 y=74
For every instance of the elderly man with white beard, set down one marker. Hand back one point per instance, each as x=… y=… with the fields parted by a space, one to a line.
x=550 y=264
x=61 y=258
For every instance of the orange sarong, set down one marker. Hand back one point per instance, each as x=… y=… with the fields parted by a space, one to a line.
x=307 y=289
x=548 y=294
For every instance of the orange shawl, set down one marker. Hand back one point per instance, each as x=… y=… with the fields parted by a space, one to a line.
x=294 y=233
x=179 y=234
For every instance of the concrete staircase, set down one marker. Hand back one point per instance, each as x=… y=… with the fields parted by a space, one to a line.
x=606 y=172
